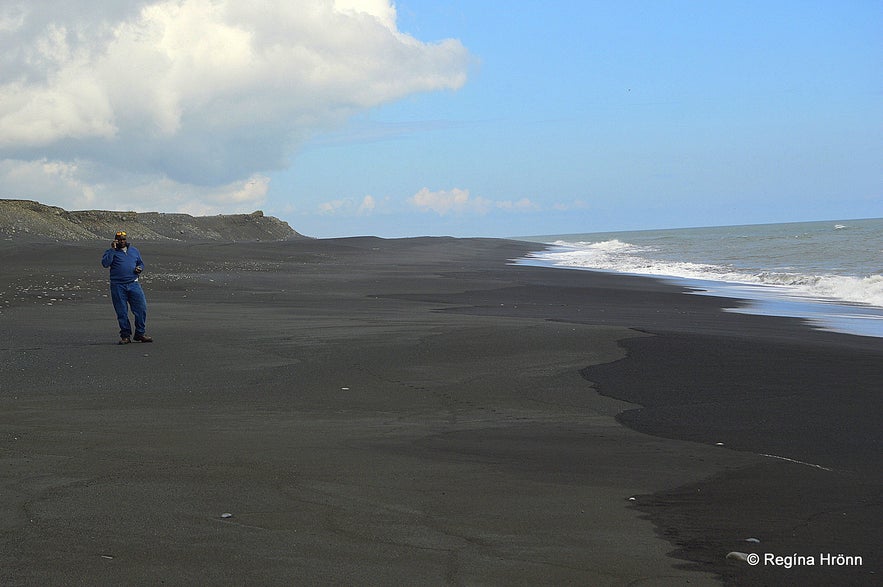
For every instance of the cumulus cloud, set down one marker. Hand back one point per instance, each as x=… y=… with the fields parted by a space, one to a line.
x=64 y=178
x=193 y=95
x=460 y=201
x=349 y=206
x=445 y=202
x=368 y=205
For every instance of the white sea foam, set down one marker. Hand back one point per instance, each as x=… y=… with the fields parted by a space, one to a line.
x=623 y=257
x=828 y=273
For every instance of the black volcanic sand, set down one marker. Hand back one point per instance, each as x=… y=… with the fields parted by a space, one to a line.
x=419 y=411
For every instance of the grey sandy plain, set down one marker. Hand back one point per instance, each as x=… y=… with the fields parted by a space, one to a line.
x=367 y=411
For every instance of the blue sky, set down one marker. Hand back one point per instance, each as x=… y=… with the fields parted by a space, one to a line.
x=626 y=116
x=494 y=119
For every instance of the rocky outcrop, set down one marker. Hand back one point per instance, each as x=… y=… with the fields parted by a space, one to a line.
x=27 y=220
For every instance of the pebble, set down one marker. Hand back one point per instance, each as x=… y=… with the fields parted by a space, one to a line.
x=226 y=516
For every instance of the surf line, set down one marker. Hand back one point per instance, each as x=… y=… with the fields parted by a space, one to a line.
x=795 y=461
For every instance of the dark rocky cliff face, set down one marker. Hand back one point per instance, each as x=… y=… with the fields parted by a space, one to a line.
x=25 y=220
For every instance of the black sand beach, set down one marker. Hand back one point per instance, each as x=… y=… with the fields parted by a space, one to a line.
x=421 y=412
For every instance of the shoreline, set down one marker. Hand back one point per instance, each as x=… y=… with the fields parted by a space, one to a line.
x=416 y=409
x=832 y=315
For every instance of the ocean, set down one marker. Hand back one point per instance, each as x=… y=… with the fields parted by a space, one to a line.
x=828 y=273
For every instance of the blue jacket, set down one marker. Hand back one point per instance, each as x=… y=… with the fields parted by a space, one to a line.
x=122 y=264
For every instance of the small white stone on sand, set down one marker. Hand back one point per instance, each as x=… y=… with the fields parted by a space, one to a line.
x=226 y=516
x=737 y=556
x=754 y=540
x=344 y=389
x=718 y=444
x=633 y=498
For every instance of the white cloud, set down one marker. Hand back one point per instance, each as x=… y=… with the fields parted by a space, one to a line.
x=523 y=204
x=349 y=206
x=572 y=205
x=57 y=177
x=334 y=206
x=368 y=205
x=78 y=185
x=449 y=201
x=196 y=94
x=382 y=10
x=459 y=201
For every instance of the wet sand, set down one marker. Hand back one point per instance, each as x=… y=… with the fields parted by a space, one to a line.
x=419 y=411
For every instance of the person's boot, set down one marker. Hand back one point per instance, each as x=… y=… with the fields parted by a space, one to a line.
x=143 y=338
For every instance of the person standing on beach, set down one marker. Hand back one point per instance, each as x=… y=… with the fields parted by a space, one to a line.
x=126 y=265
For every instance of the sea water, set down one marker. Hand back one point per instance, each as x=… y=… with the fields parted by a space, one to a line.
x=829 y=273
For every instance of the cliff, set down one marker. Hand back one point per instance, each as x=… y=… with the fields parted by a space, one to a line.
x=26 y=220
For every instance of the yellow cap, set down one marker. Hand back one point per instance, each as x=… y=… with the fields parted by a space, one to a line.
x=121 y=234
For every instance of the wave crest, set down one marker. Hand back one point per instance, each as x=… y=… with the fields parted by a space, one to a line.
x=623 y=257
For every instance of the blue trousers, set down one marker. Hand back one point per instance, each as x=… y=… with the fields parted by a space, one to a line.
x=125 y=295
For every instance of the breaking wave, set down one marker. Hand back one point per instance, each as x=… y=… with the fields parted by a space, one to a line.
x=623 y=257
